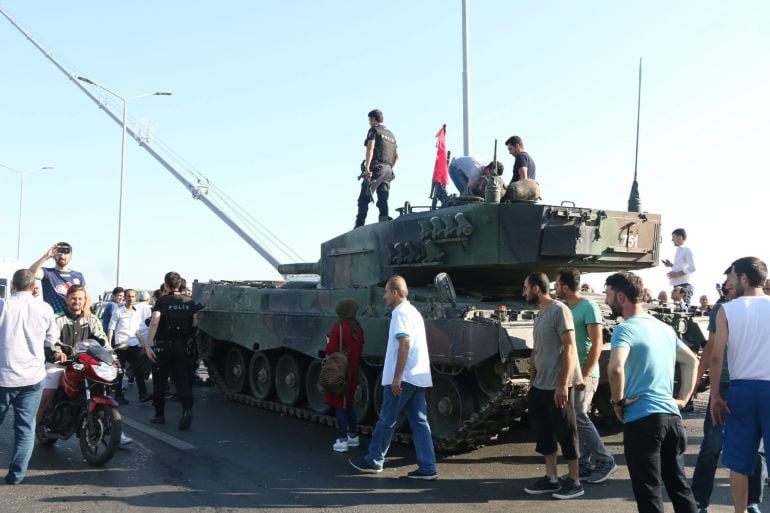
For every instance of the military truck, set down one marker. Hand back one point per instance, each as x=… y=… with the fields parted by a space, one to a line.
x=465 y=265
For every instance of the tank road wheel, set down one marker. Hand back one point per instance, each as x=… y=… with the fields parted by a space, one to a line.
x=489 y=376
x=362 y=397
x=313 y=390
x=235 y=370
x=261 y=376
x=288 y=379
x=401 y=422
x=449 y=403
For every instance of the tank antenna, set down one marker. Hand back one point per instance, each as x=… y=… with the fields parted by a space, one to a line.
x=634 y=201
x=494 y=157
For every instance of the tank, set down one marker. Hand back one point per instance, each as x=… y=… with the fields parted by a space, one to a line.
x=465 y=265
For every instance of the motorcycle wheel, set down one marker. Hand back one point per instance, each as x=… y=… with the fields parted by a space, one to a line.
x=99 y=441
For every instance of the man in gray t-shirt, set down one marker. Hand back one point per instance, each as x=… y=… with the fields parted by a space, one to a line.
x=554 y=370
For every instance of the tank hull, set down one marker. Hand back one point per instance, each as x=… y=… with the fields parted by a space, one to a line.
x=263 y=341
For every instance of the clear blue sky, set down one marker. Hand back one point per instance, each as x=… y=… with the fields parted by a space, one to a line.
x=270 y=100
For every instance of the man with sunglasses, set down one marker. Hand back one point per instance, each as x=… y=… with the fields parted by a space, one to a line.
x=56 y=280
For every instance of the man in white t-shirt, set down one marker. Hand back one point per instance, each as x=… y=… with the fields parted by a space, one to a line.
x=682 y=266
x=743 y=325
x=405 y=378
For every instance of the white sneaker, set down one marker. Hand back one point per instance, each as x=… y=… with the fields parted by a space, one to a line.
x=353 y=441
x=340 y=445
x=125 y=439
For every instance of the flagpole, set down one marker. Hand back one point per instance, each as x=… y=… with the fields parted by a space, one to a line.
x=466 y=84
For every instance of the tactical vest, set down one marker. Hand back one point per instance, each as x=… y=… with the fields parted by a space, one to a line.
x=176 y=318
x=384 y=146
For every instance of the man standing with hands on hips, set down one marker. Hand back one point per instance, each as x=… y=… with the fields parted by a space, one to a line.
x=641 y=374
x=405 y=378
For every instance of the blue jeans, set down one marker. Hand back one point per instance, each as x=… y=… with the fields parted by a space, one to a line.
x=459 y=179
x=346 y=423
x=412 y=399
x=24 y=401
x=593 y=453
x=708 y=460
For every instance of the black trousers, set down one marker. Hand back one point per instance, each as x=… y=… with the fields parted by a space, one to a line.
x=654 y=447
x=132 y=355
x=380 y=183
x=173 y=359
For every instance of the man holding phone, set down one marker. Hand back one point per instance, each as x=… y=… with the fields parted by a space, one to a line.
x=56 y=280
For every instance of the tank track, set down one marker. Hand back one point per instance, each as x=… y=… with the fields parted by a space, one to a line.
x=495 y=416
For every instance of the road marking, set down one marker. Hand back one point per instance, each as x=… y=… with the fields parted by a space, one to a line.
x=160 y=435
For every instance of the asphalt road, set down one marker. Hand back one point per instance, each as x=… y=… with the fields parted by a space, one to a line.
x=235 y=458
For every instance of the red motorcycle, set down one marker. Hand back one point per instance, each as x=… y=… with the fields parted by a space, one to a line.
x=82 y=405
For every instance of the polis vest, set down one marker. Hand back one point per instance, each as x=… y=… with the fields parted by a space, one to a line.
x=384 y=146
x=176 y=318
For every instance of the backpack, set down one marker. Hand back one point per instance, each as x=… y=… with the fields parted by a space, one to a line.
x=333 y=376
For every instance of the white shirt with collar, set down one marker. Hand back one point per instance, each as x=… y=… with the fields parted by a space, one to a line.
x=684 y=262
x=26 y=327
x=124 y=323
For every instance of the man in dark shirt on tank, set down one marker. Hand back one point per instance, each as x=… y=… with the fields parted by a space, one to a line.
x=524 y=166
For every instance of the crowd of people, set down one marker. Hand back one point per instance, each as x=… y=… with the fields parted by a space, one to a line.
x=40 y=327
x=564 y=376
x=155 y=332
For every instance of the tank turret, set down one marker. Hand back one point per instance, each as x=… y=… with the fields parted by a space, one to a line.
x=489 y=248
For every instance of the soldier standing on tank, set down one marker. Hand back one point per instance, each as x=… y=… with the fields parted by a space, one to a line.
x=381 y=157
x=171 y=329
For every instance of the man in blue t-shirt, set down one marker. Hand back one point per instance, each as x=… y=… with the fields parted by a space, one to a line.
x=56 y=280
x=523 y=166
x=641 y=374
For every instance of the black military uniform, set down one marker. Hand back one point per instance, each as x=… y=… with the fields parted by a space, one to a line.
x=173 y=348
x=385 y=151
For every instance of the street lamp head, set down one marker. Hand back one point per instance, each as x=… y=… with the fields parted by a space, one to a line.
x=162 y=93
x=86 y=80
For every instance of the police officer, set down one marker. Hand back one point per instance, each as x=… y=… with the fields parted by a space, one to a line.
x=381 y=156
x=171 y=327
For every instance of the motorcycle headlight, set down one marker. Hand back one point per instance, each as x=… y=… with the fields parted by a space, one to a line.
x=108 y=373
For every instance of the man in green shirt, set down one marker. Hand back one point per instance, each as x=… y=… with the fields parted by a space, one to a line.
x=596 y=463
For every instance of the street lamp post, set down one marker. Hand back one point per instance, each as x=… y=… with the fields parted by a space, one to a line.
x=125 y=101
x=21 y=202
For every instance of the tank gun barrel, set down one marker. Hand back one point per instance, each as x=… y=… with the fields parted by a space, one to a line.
x=300 y=268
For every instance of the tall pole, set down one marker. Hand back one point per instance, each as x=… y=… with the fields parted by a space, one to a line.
x=21 y=214
x=124 y=124
x=122 y=189
x=21 y=203
x=466 y=85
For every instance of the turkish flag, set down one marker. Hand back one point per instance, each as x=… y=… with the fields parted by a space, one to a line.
x=440 y=172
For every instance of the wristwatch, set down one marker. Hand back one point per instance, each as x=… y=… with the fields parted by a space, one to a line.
x=620 y=402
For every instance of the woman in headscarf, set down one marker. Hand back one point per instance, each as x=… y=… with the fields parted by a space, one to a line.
x=349 y=332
